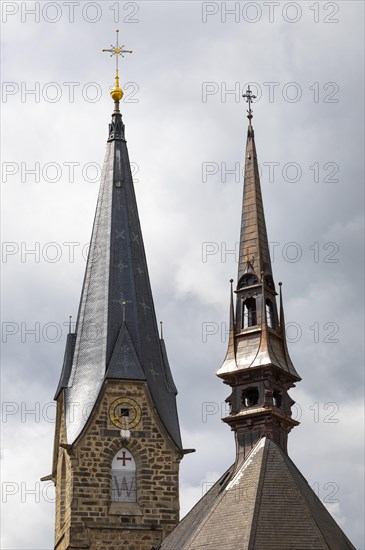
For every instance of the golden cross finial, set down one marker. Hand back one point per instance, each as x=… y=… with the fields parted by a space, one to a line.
x=117 y=50
x=117 y=92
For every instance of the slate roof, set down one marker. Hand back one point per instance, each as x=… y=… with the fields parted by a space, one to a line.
x=264 y=503
x=116 y=331
x=67 y=363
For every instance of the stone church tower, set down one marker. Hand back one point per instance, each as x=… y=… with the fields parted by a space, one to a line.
x=262 y=502
x=117 y=441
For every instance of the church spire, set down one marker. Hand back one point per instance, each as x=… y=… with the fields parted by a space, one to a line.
x=116 y=334
x=257 y=363
x=254 y=248
x=259 y=371
x=117 y=437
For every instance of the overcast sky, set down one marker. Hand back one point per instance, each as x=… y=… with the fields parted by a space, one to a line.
x=186 y=131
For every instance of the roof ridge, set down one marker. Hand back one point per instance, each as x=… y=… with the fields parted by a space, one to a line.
x=235 y=477
x=251 y=544
x=221 y=494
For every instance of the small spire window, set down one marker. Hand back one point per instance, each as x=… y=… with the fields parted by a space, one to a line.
x=249 y=317
x=270 y=315
x=277 y=399
x=250 y=397
x=124 y=477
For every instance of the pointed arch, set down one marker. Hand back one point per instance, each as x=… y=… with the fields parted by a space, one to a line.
x=124 y=477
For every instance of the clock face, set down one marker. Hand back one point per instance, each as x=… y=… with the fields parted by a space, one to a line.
x=125 y=413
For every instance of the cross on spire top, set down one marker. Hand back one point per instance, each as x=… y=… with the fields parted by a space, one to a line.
x=117 y=50
x=249 y=97
x=117 y=92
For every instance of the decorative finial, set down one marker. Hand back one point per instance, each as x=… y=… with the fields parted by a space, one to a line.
x=249 y=97
x=231 y=315
x=123 y=304
x=161 y=323
x=281 y=319
x=117 y=92
x=70 y=324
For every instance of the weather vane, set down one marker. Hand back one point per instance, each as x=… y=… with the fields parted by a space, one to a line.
x=117 y=92
x=249 y=97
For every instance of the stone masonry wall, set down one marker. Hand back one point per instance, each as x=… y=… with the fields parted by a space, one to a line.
x=63 y=485
x=89 y=520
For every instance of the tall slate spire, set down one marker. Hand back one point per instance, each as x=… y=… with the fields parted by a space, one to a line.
x=257 y=363
x=116 y=332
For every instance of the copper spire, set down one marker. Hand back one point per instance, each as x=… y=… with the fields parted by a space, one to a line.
x=254 y=246
x=257 y=365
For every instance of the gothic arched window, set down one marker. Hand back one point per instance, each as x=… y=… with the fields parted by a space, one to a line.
x=270 y=316
x=249 y=313
x=124 y=477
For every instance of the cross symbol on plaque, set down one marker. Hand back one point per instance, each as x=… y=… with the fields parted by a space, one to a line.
x=124 y=457
x=135 y=238
x=140 y=270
